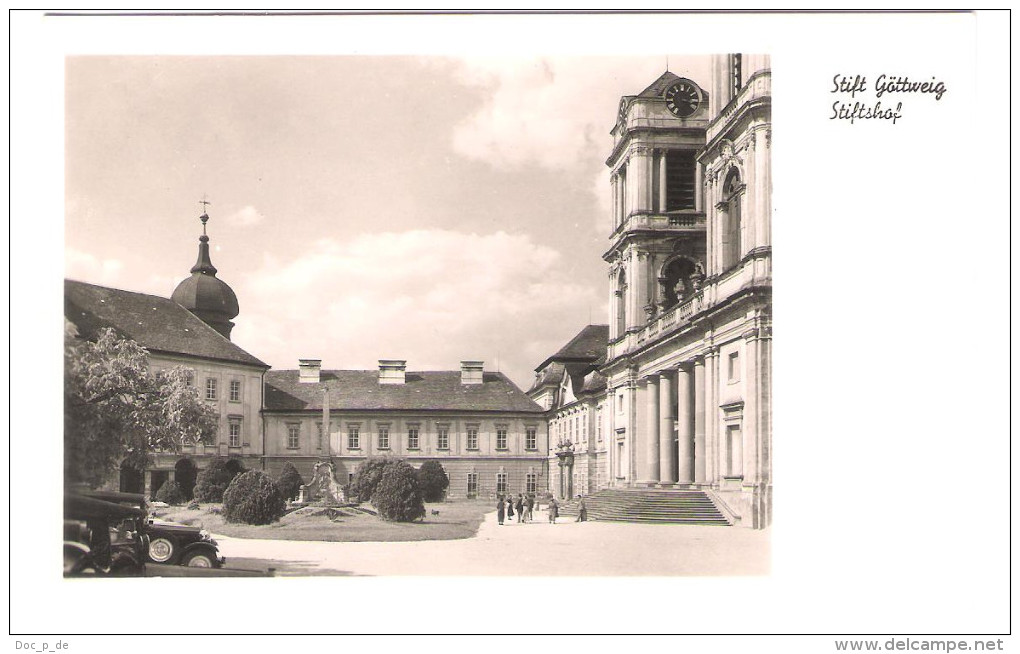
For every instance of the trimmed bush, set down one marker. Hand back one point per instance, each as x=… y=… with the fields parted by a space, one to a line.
x=398 y=495
x=253 y=498
x=290 y=481
x=433 y=480
x=213 y=481
x=367 y=477
x=170 y=492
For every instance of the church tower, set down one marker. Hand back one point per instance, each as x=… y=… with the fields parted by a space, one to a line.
x=203 y=294
x=657 y=255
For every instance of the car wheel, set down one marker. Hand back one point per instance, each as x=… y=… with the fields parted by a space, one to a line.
x=199 y=560
x=162 y=550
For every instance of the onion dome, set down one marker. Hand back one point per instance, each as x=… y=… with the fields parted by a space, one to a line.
x=209 y=298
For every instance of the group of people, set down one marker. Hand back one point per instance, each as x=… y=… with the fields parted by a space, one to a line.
x=524 y=507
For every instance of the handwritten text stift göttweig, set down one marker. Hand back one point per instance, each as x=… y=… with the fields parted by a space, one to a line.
x=885 y=84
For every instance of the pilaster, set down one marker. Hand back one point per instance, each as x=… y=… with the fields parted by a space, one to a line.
x=699 y=403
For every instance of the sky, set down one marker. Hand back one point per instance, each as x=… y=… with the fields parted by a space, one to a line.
x=431 y=209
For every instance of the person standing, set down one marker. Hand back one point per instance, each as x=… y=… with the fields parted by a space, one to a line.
x=510 y=508
x=500 y=509
x=554 y=510
x=529 y=508
x=582 y=511
x=520 y=507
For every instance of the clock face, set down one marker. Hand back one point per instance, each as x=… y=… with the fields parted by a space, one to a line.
x=683 y=98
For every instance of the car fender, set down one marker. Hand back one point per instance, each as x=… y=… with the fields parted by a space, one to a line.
x=203 y=546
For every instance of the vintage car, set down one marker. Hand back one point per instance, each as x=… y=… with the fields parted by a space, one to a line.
x=104 y=534
x=134 y=538
x=181 y=544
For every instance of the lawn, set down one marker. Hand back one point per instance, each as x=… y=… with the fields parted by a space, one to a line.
x=455 y=520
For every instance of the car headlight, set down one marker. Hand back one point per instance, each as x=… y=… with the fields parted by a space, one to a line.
x=205 y=535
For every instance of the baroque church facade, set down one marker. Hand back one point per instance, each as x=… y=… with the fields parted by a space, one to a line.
x=689 y=356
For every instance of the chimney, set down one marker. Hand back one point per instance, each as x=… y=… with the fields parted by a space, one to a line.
x=471 y=372
x=308 y=370
x=391 y=371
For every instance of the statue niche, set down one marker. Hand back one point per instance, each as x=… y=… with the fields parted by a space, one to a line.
x=681 y=278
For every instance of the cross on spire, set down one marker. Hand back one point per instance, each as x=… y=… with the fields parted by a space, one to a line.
x=205 y=216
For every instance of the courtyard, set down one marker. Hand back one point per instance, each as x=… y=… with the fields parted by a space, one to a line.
x=538 y=549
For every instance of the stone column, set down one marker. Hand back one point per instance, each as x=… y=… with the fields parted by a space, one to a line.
x=651 y=474
x=703 y=447
x=685 y=422
x=699 y=409
x=667 y=452
x=662 y=181
x=147 y=489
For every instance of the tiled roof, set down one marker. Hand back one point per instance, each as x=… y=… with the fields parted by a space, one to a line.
x=156 y=323
x=355 y=390
x=589 y=345
x=658 y=87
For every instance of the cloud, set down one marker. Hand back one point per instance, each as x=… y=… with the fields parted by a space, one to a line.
x=432 y=297
x=245 y=217
x=555 y=111
x=87 y=267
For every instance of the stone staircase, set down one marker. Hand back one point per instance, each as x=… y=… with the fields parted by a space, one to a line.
x=688 y=507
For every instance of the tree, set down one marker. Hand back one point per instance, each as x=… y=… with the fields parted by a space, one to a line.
x=170 y=492
x=290 y=481
x=214 y=480
x=433 y=481
x=368 y=475
x=398 y=496
x=116 y=409
x=254 y=499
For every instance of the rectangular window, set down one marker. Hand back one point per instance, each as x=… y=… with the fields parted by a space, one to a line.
x=318 y=440
x=210 y=388
x=384 y=438
x=598 y=425
x=500 y=438
x=734 y=367
x=619 y=403
x=472 y=438
x=734 y=452
x=353 y=437
x=443 y=438
x=412 y=438
x=235 y=390
x=501 y=482
x=530 y=438
x=680 y=179
x=235 y=432
x=472 y=484
x=190 y=376
x=293 y=436
x=531 y=482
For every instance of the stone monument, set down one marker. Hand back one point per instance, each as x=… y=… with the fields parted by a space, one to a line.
x=323 y=489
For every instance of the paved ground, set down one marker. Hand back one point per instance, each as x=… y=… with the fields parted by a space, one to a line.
x=538 y=548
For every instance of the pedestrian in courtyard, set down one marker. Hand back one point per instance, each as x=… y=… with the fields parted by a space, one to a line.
x=510 y=508
x=520 y=507
x=554 y=510
x=500 y=510
x=582 y=511
x=529 y=508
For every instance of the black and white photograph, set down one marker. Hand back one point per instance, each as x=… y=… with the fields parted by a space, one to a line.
x=360 y=302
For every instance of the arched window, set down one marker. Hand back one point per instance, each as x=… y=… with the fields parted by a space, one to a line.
x=733 y=193
x=621 y=303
